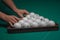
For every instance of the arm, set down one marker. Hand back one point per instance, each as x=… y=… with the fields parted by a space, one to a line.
x=13 y=7
x=10 y=4
x=2 y=15
x=9 y=18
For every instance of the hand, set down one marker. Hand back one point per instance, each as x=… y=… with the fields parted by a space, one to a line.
x=21 y=12
x=10 y=19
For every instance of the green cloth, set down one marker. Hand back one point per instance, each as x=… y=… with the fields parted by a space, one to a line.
x=48 y=8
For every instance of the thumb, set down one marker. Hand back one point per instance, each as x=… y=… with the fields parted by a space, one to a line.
x=21 y=15
x=11 y=24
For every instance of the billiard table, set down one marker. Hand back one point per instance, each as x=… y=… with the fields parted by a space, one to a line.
x=48 y=8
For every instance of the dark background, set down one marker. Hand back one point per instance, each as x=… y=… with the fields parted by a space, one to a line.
x=47 y=8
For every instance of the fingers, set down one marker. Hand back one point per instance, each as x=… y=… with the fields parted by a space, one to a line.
x=26 y=12
x=21 y=15
x=21 y=12
x=11 y=24
x=13 y=19
x=16 y=18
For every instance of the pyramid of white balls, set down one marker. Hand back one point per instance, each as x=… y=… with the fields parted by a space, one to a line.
x=34 y=20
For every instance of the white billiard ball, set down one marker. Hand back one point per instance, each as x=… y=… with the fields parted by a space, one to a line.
x=33 y=19
x=17 y=25
x=26 y=25
x=41 y=18
x=34 y=24
x=43 y=24
x=51 y=23
x=32 y=13
x=28 y=16
x=46 y=20
x=36 y=16
x=30 y=22
x=37 y=20
x=21 y=21
x=25 y=18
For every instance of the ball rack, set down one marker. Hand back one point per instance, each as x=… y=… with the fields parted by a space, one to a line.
x=33 y=29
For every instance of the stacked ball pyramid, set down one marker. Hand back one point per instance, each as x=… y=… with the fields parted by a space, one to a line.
x=34 y=20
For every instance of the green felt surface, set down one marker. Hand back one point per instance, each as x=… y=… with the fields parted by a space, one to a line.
x=47 y=8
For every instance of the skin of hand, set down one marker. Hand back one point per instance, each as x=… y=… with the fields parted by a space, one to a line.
x=9 y=18
x=11 y=4
x=21 y=12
